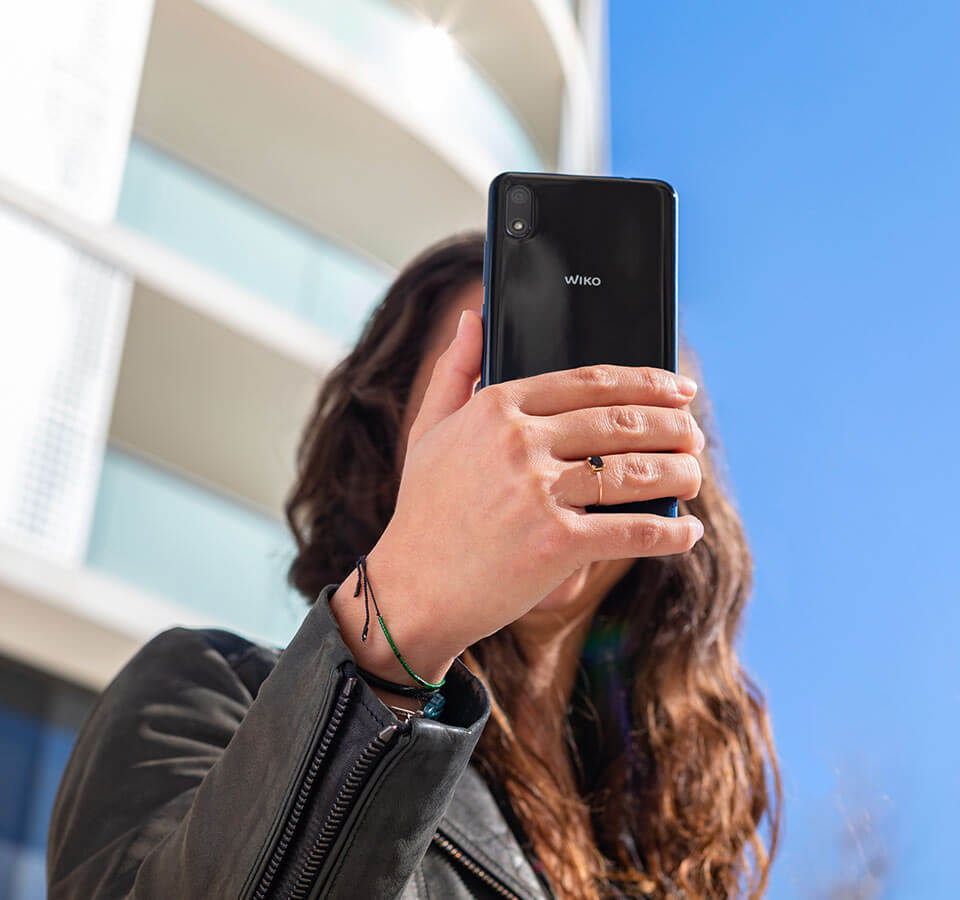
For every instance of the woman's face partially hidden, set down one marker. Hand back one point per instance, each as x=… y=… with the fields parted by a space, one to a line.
x=585 y=587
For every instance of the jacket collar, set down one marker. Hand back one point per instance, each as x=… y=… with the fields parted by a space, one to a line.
x=474 y=821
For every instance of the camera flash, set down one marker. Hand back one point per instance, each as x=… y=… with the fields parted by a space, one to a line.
x=518 y=225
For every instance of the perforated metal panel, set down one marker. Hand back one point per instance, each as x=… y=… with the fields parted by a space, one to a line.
x=62 y=320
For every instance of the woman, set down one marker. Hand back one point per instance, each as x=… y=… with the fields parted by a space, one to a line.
x=596 y=736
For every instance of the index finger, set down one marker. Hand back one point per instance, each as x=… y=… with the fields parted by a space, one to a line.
x=601 y=384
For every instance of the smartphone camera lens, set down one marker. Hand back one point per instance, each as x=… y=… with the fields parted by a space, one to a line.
x=519 y=211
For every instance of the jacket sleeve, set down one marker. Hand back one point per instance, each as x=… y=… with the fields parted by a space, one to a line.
x=184 y=784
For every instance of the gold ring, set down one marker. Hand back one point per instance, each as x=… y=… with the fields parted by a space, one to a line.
x=596 y=464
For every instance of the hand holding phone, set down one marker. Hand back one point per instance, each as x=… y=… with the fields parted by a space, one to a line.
x=580 y=270
x=489 y=513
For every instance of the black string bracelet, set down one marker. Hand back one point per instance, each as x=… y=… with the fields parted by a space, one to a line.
x=407 y=690
x=429 y=688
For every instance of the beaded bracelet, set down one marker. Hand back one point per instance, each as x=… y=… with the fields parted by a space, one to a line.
x=363 y=578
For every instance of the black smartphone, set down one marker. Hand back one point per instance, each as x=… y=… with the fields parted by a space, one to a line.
x=580 y=270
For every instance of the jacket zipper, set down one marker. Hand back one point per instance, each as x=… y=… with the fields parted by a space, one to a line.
x=342 y=805
x=460 y=855
x=355 y=781
x=280 y=851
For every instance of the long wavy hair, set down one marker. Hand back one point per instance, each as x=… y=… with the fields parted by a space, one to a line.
x=674 y=788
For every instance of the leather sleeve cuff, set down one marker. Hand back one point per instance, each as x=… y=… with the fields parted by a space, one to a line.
x=382 y=786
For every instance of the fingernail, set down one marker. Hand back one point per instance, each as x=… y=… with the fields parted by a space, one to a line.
x=686 y=385
x=460 y=323
x=697 y=529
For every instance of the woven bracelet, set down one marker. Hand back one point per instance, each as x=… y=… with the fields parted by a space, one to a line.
x=363 y=578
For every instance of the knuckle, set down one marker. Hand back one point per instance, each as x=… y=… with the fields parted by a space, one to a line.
x=648 y=535
x=686 y=425
x=488 y=405
x=541 y=484
x=644 y=470
x=493 y=400
x=627 y=418
x=650 y=379
x=595 y=376
x=517 y=438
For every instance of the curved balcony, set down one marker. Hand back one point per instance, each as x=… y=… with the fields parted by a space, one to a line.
x=164 y=550
x=430 y=81
x=198 y=342
x=535 y=54
x=219 y=562
x=226 y=232
x=299 y=106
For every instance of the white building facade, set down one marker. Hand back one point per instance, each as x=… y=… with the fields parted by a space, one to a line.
x=200 y=203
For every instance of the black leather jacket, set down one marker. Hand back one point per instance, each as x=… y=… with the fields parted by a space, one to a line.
x=214 y=767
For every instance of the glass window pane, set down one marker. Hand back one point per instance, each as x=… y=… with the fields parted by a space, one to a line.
x=39 y=718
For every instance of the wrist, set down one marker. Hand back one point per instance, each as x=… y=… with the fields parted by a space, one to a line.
x=414 y=637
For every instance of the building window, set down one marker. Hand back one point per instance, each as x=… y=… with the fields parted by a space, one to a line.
x=40 y=716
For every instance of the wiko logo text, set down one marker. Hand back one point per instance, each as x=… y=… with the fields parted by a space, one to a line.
x=592 y=280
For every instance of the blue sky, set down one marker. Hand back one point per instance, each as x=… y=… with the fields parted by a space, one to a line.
x=816 y=152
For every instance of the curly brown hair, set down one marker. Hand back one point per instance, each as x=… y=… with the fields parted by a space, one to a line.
x=674 y=772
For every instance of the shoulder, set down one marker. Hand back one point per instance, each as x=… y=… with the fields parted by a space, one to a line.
x=189 y=683
x=185 y=686
x=178 y=661
x=207 y=654
x=153 y=733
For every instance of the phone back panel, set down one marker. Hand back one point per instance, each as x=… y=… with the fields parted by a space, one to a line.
x=593 y=282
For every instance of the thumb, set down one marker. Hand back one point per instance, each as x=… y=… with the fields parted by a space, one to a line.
x=454 y=375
